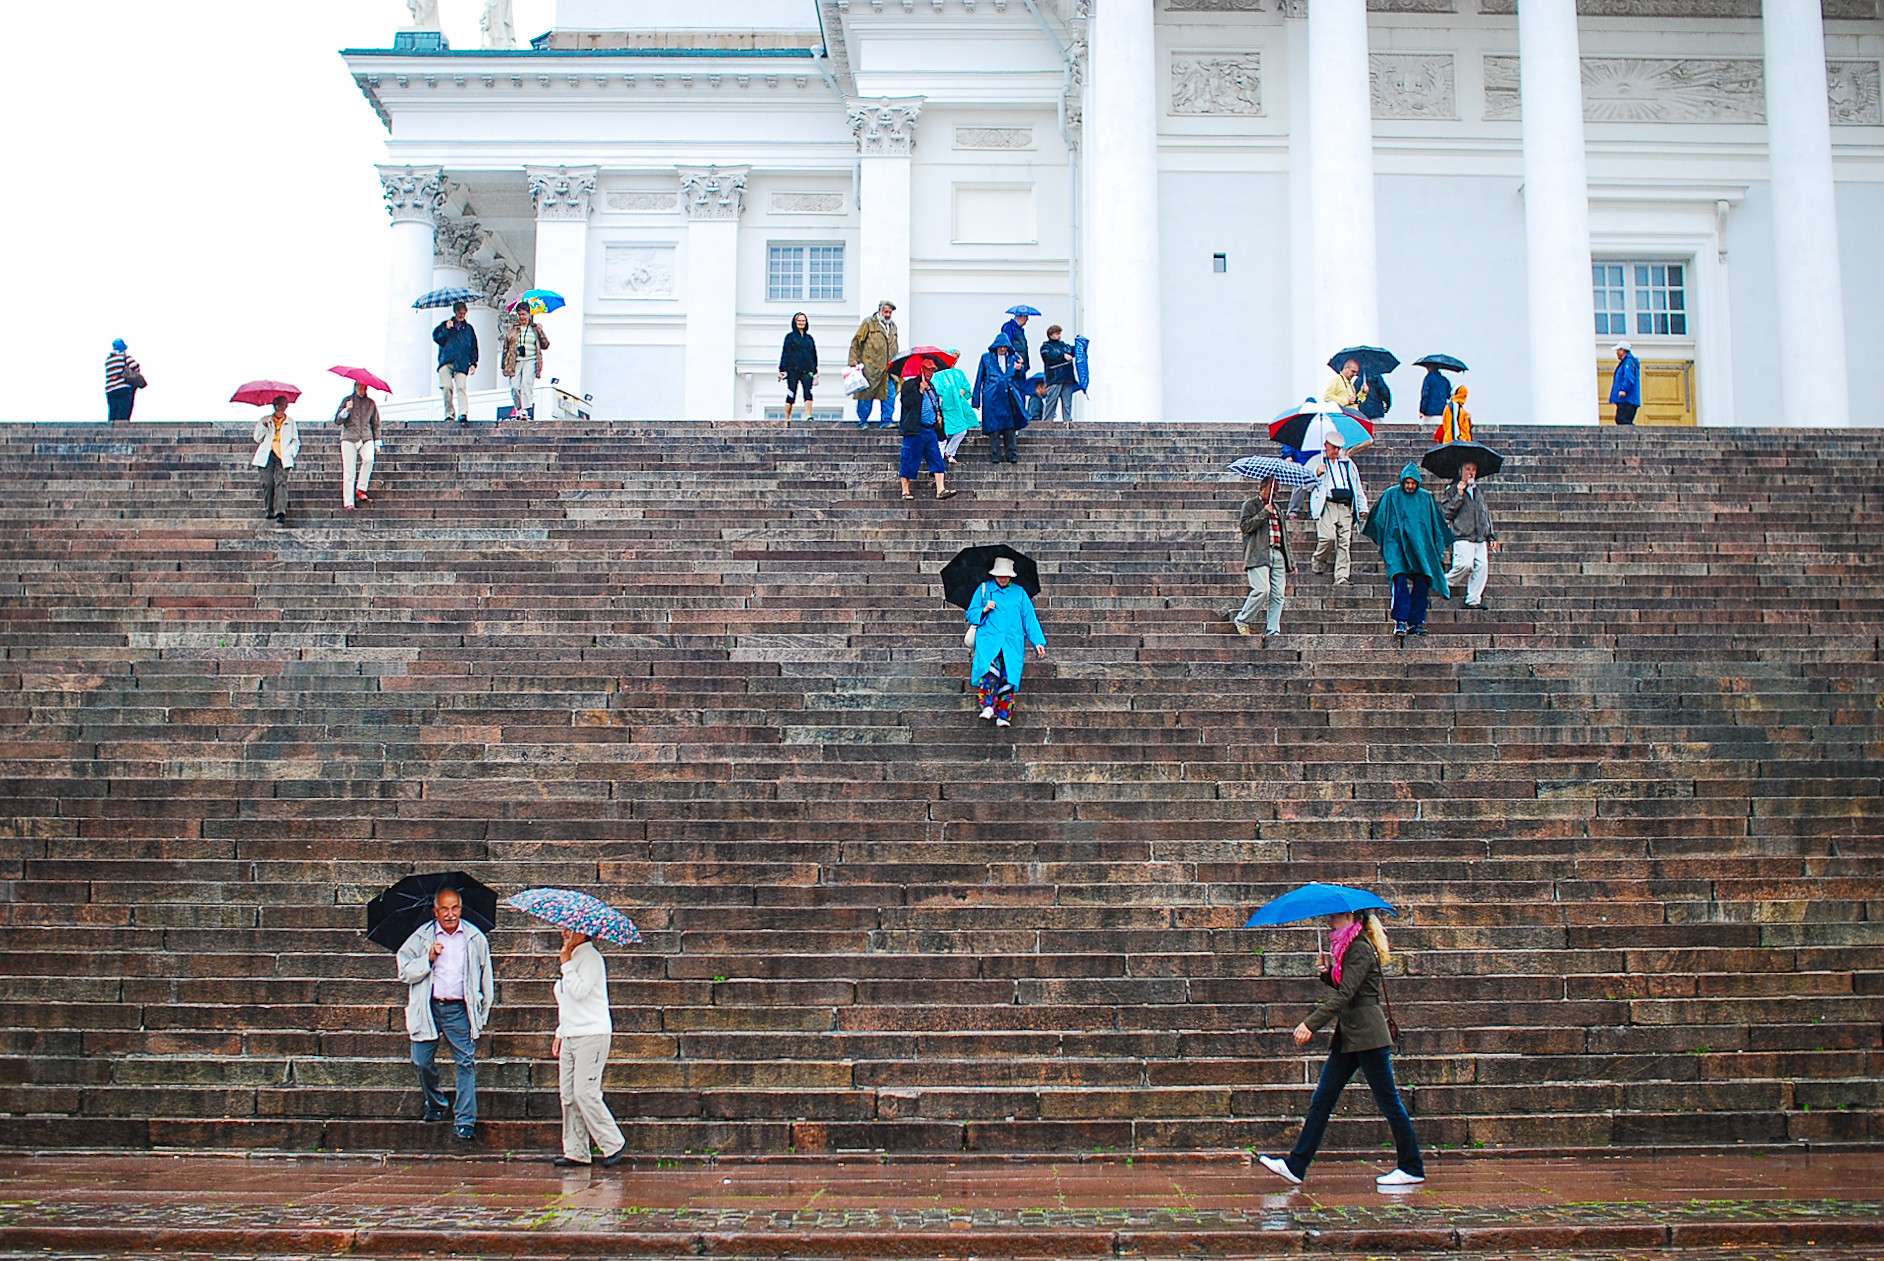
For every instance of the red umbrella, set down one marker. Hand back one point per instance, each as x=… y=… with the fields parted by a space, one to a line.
x=941 y=358
x=362 y=376
x=264 y=393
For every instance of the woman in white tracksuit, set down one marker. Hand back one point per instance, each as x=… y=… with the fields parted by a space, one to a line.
x=583 y=1031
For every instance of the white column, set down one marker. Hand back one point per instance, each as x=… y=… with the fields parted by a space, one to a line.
x=1124 y=307
x=413 y=197
x=497 y=280
x=1815 y=389
x=1556 y=216
x=562 y=195
x=712 y=197
x=1308 y=373
x=885 y=130
x=454 y=241
x=1341 y=168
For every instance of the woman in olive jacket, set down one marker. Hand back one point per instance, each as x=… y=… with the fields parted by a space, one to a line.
x=1358 y=948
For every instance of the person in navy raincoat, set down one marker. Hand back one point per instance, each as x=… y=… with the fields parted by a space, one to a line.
x=1015 y=330
x=1625 y=386
x=1005 y=623
x=1435 y=393
x=998 y=385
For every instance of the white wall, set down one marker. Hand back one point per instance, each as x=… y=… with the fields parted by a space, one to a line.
x=1755 y=321
x=1861 y=249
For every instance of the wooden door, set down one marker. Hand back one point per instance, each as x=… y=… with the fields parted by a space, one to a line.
x=1667 y=392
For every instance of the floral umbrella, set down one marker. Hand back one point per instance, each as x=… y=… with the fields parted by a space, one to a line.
x=578 y=912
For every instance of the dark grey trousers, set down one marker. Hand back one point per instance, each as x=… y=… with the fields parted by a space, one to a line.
x=274 y=487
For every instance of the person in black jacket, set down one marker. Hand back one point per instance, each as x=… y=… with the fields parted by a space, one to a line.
x=1062 y=374
x=798 y=363
x=919 y=413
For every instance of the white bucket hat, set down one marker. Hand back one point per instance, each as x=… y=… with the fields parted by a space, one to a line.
x=1003 y=567
x=1623 y=345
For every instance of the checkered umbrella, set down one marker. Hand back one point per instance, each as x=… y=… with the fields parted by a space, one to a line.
x=578 y=912
x=1262 y=467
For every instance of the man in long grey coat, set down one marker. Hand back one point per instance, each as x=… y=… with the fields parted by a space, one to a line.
x=446 y=965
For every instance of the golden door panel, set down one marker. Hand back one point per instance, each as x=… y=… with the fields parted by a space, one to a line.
x=1667 y=392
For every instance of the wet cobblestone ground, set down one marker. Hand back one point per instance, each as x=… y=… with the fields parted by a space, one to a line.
x=1712 y=1207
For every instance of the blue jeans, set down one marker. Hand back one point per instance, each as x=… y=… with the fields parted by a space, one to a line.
x=1411 y=594
x=918 y=447
x=863 y=411
x=454 y=1026
x=1377 y=1066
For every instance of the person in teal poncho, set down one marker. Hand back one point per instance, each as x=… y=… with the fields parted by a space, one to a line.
x=1414 y=541
x=958 y=415
x=1005 y=623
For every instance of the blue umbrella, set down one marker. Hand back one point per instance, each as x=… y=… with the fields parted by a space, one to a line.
x=1374 y=360
x=1022 y=309
x=1312 y=901
x=447 y=297
x=1261 y=467
x=568 y=908
x=1082 y=370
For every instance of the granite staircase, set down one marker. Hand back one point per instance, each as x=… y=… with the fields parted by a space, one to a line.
x=1631 y=811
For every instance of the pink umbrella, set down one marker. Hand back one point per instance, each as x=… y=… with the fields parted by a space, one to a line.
x=264 y=393
x=362 y=376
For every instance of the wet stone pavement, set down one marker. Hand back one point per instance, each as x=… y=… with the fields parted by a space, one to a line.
x=1792 y=1204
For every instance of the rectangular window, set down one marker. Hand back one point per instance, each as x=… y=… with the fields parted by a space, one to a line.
x=1641 y=299
x=1612 y=311
x=804 y=273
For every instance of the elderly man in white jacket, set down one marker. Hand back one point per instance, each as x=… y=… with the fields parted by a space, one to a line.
x=1338 y=503
x=446 y=965
x=583 y=1032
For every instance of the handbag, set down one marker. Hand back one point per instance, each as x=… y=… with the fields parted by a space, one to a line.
x=1393 y=1026
x=134 y=378
x=856 y=380
x=968 y=640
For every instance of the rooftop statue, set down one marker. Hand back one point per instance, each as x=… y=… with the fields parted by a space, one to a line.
x=424 y=14
x=500 y=30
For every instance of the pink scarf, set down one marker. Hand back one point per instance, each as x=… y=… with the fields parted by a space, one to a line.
x=1338 y=943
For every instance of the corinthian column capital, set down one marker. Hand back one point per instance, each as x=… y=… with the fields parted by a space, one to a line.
x=414 y=194
x=561 y=192
x=886 y=126
x=712 y=192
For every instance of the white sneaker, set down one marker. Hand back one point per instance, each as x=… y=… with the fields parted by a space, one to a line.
x=987 y=711
x=1397 y=1179
x=1279 y=1167
x=1002 y=722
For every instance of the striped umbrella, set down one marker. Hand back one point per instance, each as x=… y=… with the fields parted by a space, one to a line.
x=578 y=912
x=447 y=297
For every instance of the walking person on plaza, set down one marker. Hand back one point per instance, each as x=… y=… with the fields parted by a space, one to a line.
x=1015 y=330
x=524 y=345
x=872 y=347
x=1265 y=559
x=123 y=379
x=955 y=395
x=584 y=1030
x=446 y=965
x=1474 y=538
x=798 y=364
x=919 y=413
x=358 y=418
x=998 y=397
x=277 y=445
x=1407 y=526
x=1435 y=390
x=1056 y=359
x=1455 y=423
x=1338 y=501
x=1625 y=384
x=1357 y=951
x=457 y=360
x=1003 y=616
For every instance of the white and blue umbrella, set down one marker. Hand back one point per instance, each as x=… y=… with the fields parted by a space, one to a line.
x=1023 y=309
x=447 y=297
x=1262 y=467
x=578 y=912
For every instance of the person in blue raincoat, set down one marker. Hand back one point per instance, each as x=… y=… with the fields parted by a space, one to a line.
x=1625 y=384
x=1435 y=393
x=1015 y=330
x=1414 y=542
x=998 y=397
x=1005 y=623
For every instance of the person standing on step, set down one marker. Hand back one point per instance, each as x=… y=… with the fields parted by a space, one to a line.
x=1265 y=559
x=1003 y=616
x=798 y=364
x=277 y=446
x=584 y=1029
x=1434 y=391
x=1413 y=539
x=1474 y=538
x=956 y=396
x=1357 y=952
x=998 y=397
x=1056 y=360
x=457 y=360
x=1625 y=384
x=1015 y=330
x=446 y=965
x=1345 y=388
x=1338 y=501
x=872 y=347
x=123 y=379
x=919 y=412
x=1455 y=423
x=524 y=345
x=358 y=418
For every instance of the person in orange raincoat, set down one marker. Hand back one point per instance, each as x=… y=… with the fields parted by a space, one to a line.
x=1455 y=423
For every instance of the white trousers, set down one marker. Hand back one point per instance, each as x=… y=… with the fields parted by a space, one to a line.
x=586 y=1117
x=1472 y=558
x=952 y=444
x=454 y=386
x=356 y=468
x=523 y=386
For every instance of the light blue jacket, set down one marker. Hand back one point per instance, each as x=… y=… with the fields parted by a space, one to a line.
x=415 y=969
x=1004 y=633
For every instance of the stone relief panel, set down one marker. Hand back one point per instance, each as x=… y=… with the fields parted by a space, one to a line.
x=1411 y=6
x=644 y=203
x=638 y=271
x=1217 y=83
x=994 y=137
x=807 y=203
x=1412 y=85
x=1853 y=93
x=1501 y=88
x=1213 y=6
x=1749 y=9
x=1654 y=89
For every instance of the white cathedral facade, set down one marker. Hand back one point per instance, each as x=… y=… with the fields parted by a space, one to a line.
x=1218 y=193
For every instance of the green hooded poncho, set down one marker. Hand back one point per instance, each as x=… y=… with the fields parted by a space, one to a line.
x=1412 y=535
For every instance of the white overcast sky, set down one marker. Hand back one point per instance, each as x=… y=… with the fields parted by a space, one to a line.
x=196 y=177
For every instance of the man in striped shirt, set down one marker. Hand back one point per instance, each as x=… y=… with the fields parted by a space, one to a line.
x=123 y=379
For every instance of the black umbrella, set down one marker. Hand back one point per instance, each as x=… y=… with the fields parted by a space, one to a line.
x=391 y=917
x=970 y=568
x=1374 y=361
x=1445 y=363
x=1445 y=460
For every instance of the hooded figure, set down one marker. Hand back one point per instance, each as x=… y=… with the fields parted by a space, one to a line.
x=1434 y=391
x=1455 y=423
x=958 y=414
x=1003 y=616
x=999 y=399
x=1414 y=542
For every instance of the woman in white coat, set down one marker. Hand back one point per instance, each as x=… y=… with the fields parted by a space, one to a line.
x=583 y=1032
x=277 y=444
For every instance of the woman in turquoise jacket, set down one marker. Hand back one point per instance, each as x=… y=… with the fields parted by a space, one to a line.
x=1005 y=623
x=958 y=414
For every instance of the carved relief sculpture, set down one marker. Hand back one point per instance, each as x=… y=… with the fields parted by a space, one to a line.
x=454 y=241
x=499 y=27
x=713 y=192
x=1213 y=6
x=494 y=280
x=560 y=193
x=644 y=203
x=1671 y=90
x=1412 y=85
x=887 y=126
x=638 y=271
x=1216 y=84
x=808 y=203
x=1852 y=90
x=1748 y=10
x=414 y=194
x=994 y=137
